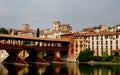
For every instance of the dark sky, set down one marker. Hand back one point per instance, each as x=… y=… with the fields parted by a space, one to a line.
x=41 y=13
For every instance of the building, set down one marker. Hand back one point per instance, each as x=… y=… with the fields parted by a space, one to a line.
x=98 y=42
x=100 y=28
x=98 y=39
x=57 y=30
x=79 y=43
x=117 y=28
x=24 y=31
x=61 y=27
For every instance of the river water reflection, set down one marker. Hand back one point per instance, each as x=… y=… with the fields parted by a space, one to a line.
x=59 y=69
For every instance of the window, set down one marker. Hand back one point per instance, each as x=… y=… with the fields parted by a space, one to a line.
x=101 y=37
x=97 y=38
x=81 y=45
x=97 y=52
x=116 y=46
x=117 y=36
x=92 y=47
x=110 y=42
x=97 y=47
x=101 y=50
x=80 y=42
x=101 y=42
x=106 y=42
x=111 y=37
x=116 y=41
x=92 y=43
x=106 y=37
x=88 y=46
x=92 y=38
x=97 y=42
x=80 y=37
x=101 y=47
x=76 y=50
x=111 y=47
x=106 y=47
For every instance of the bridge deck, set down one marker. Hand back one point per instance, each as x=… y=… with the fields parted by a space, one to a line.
x=7 y=36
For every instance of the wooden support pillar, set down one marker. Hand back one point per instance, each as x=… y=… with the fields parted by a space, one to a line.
x=41 y=60
x=19 y=60
x=13 y=57
x=33 y=57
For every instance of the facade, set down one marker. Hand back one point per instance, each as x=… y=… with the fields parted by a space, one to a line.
x=103 y=42
x=79 y=43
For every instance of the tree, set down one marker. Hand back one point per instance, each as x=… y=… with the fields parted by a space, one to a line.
x=105 y=56
x=16 y=33
x=42 y=54
x=85 y=55
x=38 y=32
x=3 y=31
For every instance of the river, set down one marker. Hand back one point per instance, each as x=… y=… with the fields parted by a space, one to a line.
x=59 y=69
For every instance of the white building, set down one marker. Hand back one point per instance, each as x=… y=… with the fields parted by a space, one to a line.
x=103 y=42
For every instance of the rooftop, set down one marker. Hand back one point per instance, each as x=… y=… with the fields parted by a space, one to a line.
x=96 y=34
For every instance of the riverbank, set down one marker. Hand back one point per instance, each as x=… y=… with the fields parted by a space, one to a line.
x=100 y=63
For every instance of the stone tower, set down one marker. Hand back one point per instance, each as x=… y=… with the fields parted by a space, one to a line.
x=25 y=27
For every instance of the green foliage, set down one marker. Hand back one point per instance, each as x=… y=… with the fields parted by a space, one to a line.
x=97 y=58
x=115 y=59
x=42 y=54
x=16 y=33
x=3 y=31
x=105 y=56
x=85 y=56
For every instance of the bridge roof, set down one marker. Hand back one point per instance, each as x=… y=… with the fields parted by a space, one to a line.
x=8 y=36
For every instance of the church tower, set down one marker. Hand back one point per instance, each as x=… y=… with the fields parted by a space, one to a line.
x=56 y=25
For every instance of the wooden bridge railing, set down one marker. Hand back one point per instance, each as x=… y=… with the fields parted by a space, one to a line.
x=18 y=47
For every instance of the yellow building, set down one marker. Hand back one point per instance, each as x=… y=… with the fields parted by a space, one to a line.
x=79 y=43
